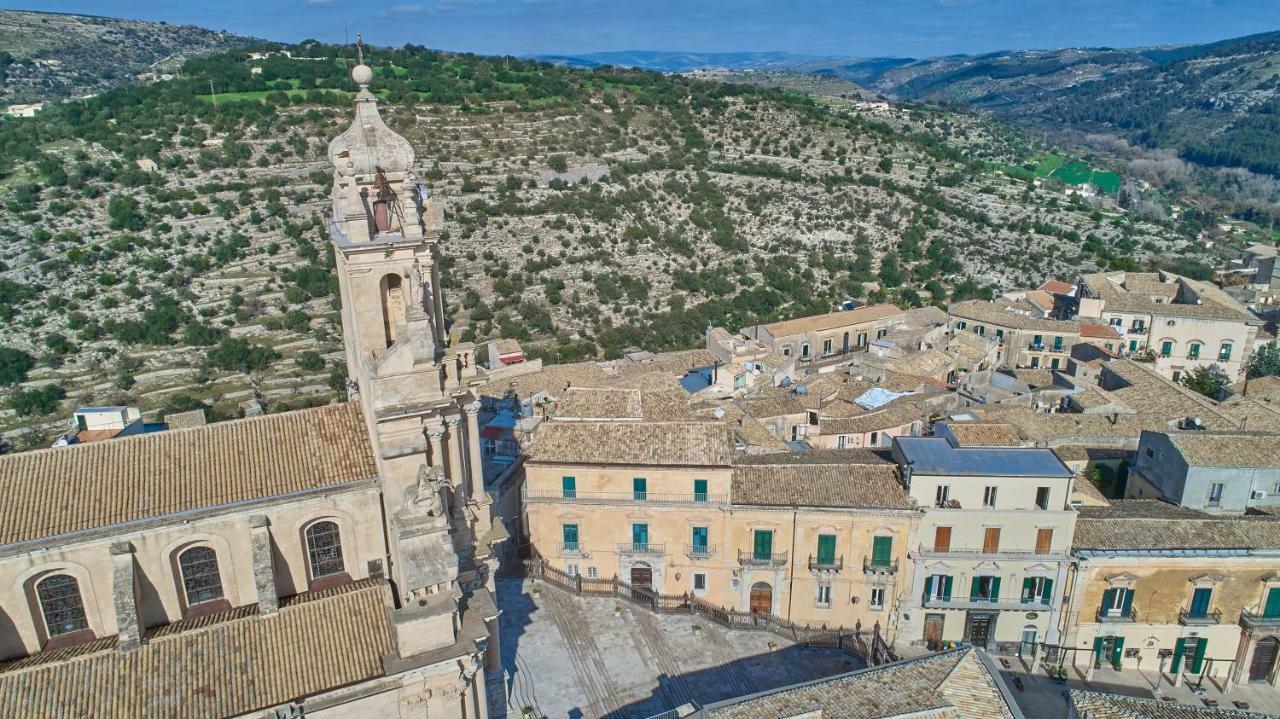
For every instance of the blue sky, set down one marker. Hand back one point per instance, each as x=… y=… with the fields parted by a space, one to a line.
x=858 y=28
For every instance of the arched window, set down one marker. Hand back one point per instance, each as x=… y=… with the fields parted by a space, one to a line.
x=393 y=306
x=200 y=580
x=324 y=549
x=61 y=605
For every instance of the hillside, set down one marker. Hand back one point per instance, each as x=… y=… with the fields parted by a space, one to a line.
x=156 y=249
x=47 y=57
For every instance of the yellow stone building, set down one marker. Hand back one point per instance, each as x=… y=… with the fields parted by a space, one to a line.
x=815 y=537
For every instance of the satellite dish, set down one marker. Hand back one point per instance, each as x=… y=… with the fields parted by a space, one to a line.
x=718 y=413
x=800 y=389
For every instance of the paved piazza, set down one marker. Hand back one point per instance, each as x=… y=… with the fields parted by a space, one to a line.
x=580 y=657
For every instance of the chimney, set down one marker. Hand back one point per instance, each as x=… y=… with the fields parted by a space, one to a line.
x=124 y=596
x=264 y=571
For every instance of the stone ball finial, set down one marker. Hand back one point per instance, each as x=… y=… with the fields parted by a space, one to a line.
x=362 y=74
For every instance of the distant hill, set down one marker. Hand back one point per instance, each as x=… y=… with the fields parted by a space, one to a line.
x=686 y=61
x=51 y=56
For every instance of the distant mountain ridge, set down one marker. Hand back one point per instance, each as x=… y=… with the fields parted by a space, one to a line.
x=663 y=61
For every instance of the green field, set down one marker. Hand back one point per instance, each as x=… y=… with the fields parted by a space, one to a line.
x=1048 y=165
x=1077 y=173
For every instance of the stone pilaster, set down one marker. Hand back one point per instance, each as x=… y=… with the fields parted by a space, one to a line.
x=264 y=570
x=435 y=437
x=457 y=478
x=473 y=447
x=124 y=596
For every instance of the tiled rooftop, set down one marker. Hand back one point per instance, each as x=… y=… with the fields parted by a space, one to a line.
x=1227 y=449
x=851 y=478
x=683 y=443
x=1005 y=314
x=1100 y=705
x=67 y=489
x=831 y=320
x=1151 y=525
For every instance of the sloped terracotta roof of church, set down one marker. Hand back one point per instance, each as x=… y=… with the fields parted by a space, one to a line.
x=226 y=668
x=957 y=684
x=68 y=489
x=688 y=443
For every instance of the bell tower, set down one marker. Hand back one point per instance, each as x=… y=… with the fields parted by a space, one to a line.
x=415 y=384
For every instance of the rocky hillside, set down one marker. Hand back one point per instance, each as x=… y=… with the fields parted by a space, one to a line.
x=160 y=250
x=46 y=57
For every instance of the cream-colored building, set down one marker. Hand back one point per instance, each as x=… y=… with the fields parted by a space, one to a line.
x=1184 y=323
x=1164 y=588
x=995 y=540
x=810 y=339
x=1027 y=338
x=333 y=561
x=818 y=537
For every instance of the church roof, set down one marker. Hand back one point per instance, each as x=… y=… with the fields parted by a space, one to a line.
x=86 y=486
x=221 y=666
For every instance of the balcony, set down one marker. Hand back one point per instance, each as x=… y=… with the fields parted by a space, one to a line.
x=1200 y=619
x=1114 y=616
x=639 y=548
x=980 y=602
x=1136 y=331
x=1259 y=621
x=754 y=559
x=1036 y=346
x=576 y=497
x=572 y=549
x=825 y=564
x=869 y=566
x=700 y=551
x=998 y=553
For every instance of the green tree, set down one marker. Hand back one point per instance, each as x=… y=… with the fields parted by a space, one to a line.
x=237 y=354
x=14 y=365
x=124 y=214
x=310 y=361
x=35 y=402
x=1265 y=362
x=1209 y=381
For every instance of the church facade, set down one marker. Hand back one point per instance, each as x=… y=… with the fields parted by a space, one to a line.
x=324 y=562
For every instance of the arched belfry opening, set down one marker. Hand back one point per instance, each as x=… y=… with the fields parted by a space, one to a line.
x=392 y=305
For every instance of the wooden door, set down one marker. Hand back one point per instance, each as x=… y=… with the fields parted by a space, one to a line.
x=761 y=598
x=991 y=540
x=642 y=577
x=1044 y=540
x=981 y=628
x=933 y=631
x=942 y=539
x=1264 y=658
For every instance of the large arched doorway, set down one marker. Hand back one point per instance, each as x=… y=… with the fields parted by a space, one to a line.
x=1264 y=659
x=642 y=576
x=761 y=598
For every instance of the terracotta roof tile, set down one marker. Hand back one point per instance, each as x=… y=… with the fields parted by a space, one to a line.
x=819 y=478
x=832 y=320
x=684 y=443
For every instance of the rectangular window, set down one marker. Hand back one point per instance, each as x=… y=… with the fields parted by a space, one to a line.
x=981 y=330
x=699 y=540
x=985 y=589
x=991 y=540
x=1193 y=350
x=882 y=551
x=1042 y=497
x=699 y=490
x=1215 y=494
x=569 y=487
x=1200 y=599
x=942 y=494
x=804 y=351
x=961 y=325
x=1271 y=608
x=841 y=442
x=1037 y=590
x=569 y=534
x=571 y=570
x=875 y=439
x=826 y=549
x=1133 y=345
x=824 y=595
x=989 y=497
x=1166 y=348
x=1224 y=352
x=826 y=347
x=592 y=573
x=1117 y=602
x=699 y=581
x=942 y=539
x=1044 y=540
x=639 y=489
x=877 y=597
x=1035 y=362
x=999 y=334
x=1057 y=344
x=640 y=537
x=1037 y=342
x=1054 y=363
x=938 y=587
x=762 y=544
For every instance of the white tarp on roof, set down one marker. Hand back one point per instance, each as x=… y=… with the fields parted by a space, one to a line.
x=878 y=397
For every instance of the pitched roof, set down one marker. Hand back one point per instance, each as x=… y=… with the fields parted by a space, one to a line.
x=623 y=403
x=820 y=478
x=1227 y=449
x=1058 y=287
x=216 y=669
x=894 y=414
x=956 y=684
x=1006 y=314
x=68 y=489
x=1150 y=525
x=984 y=434
x=1100 y=705
x=1136 y=292
x=831 y=320
x=676 y=443
x=1099 y=331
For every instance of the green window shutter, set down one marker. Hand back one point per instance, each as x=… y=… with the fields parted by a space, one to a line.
x=699 y=536
x=570 y=535
x=1057 y=343
x=1272 y=607
x=1097 y=648
x=1047 y=597
x=699 y=490
x=1178 y=648
x=639 y=488
x=826 y=548
x=1028 y=586
x=882 y=551
x=569 y=487
x=1038 y=339
x=995 y=589
x=1127 y=601
x=974 y=588
x=1198 y=659
x=640 y=534
x=1200 y=601
x=946 y=588
x=1118 y=652
x=763 y=544
x=1108 y=600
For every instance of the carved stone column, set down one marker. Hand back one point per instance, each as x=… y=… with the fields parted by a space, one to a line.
x=264 y=569
x=123 y=596
x=434 y=436
x=473 y=445
x=457 y=478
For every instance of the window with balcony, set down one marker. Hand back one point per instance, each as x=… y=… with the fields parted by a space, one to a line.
x=804 y=351
x=881 y=551
x=569 y=487
x=938 y=587
x=942 y=539
x=1037 y=590
x=639 y=489
x=1057 y=344
x=569 y=538
x=941 y=494
x=826 y=550
x=639 y=537
x=1044 y=540
x=1201 y=597
x=1037 y=342
x=989 y=496
x=699 y=490
x=1166 y=348
x=762 y=544
x=1117 y=602
x=1224 y=352
x=1035 y=362
x=991 y=540
x=1271 y=606
x=698 y=542
x=985 y=589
